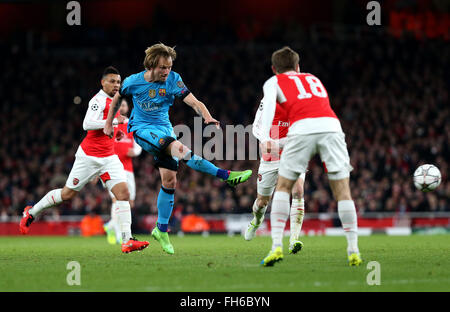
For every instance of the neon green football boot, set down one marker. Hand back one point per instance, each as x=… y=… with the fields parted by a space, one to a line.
x=273 y=257
x=237 y=177
x=163 y=240
x=110 y=235
x=354 y=259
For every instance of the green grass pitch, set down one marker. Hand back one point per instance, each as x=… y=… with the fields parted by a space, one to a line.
x=220 y=263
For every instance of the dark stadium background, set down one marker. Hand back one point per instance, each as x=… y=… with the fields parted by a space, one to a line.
x=388 y=85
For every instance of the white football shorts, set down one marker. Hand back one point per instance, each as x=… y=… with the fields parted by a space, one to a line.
x=331 y=147
x=131 y=185
x=268 y=177
x=85 y=168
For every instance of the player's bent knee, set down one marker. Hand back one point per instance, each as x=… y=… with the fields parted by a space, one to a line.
x=282 y=188
x=170 y=184
x=67 y=193
x=178 y=149
x=284 y=185
x=121 y=191
x=123 y=195
x=169 y=181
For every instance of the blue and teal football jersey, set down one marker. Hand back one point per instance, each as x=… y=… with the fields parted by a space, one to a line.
x=152 y=100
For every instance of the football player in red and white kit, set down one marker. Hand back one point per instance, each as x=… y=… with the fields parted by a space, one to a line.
x=313 y=129
x=95 y=157
x=267 y=180
x=126 y=148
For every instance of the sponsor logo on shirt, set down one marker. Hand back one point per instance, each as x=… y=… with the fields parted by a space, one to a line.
x=149 y=106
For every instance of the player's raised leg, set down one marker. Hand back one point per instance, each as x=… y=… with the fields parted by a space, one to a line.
x=83 y=170
x=165 y=202
x=52 y=198
x=232 y=178
x=297 y=215
x=347 y=215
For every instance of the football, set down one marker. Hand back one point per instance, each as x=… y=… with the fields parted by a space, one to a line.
x=427 y=177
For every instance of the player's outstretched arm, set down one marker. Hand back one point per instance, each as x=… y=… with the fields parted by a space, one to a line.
x=200 y=109
x=113 y=108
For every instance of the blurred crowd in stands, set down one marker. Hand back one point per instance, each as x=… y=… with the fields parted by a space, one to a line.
x=390 y=94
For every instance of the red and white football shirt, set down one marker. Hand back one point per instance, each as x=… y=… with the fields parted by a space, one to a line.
x=305 y=101
x=278 y=131
x=96 y=143
x=122 y=147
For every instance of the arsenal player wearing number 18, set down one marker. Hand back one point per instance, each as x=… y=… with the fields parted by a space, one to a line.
x=313 y=129
x=95 y=157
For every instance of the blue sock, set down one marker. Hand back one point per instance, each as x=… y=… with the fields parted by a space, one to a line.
x=165 y=206
x=200 y=164
x=162 y=227
x=223 y=174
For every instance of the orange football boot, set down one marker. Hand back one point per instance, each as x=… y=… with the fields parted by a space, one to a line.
x=26 y=220
x=133 y=244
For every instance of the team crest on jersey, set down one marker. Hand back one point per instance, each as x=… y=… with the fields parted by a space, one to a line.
x=152 y=93
x=259 y=177
x=180 y=84
x=162 y=92
x=161 y=141
x=75 y=181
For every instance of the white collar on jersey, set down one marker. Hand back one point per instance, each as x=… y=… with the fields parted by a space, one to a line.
x=105 y=94
x=291 y=72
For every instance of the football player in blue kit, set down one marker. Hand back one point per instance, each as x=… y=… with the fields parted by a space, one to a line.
x=153 y=92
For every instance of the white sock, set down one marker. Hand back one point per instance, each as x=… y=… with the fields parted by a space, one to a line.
x=297 y=214
x=113 y=224
x=51 y=199
x=258 y=213
x=347 y=214
x=113 y=221
x=116 y=225
x=123 y=213
x=278 y=217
